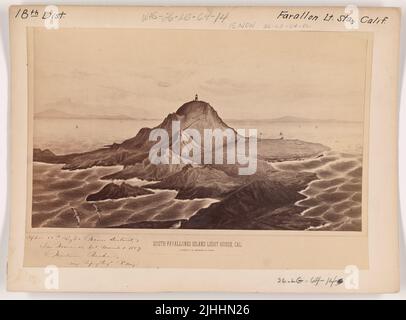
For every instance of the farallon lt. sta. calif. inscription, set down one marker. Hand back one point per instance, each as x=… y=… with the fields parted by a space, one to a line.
x=328 y=17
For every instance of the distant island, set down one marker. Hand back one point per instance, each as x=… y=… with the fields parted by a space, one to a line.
x=56 y=114
x=288 y=119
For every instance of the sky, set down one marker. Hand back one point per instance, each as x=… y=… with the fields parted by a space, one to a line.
x=243 y=74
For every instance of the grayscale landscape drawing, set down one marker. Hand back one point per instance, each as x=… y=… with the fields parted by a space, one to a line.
x=98 y=97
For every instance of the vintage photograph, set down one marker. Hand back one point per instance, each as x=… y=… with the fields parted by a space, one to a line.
x=198 y=129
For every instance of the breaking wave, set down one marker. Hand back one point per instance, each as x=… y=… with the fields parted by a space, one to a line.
x=57 y=191
x=336 y=195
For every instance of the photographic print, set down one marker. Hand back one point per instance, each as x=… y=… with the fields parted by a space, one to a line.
x=198 y=129
x=184 y=149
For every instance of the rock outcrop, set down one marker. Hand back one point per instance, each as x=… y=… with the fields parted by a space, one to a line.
x=115 y=191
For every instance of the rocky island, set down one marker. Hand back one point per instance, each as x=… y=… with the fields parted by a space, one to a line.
x=263 y=200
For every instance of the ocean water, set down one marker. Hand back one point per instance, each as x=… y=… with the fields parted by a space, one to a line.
x=346 y=137
x=78 y=135
x=334 y=197
x=57 y=191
